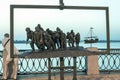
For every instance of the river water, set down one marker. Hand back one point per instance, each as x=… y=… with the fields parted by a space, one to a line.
x=22 y=46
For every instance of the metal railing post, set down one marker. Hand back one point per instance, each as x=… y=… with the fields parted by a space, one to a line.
x=61 y=68
x=74 y=70
x=49 y=69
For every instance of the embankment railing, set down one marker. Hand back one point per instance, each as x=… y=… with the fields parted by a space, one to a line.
x=108 y=63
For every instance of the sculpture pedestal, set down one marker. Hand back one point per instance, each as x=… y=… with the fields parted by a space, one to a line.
x=92 y=62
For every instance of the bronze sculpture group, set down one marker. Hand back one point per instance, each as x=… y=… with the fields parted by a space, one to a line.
x=51 y=40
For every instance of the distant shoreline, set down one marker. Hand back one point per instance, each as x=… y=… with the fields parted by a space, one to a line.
x=100 y=41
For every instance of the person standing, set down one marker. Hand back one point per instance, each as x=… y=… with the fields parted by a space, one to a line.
x=7 y=59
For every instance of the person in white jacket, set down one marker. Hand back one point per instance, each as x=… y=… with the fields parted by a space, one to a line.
x=7 y=59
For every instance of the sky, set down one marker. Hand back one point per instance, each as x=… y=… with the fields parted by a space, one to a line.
x=78 y=20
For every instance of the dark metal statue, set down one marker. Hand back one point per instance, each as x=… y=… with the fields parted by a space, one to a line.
x=63 y=40
x=56 y=40
x=40 y=28
x=51 y=39
x=77 y=39
x=72 y=32
x=38 y=38
x=70 y=38
x=48 y=41
x=30 y=35
x=59 y=33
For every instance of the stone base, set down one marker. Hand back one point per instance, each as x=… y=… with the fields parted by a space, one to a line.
x=92 y=62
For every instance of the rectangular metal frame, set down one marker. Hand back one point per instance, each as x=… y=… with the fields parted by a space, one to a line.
x=12 y=7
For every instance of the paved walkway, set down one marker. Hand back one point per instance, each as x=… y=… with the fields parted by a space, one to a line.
x=68 y=77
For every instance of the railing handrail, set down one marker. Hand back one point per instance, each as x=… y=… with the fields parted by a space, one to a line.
x=116 y=51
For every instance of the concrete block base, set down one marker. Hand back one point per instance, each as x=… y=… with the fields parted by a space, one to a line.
x=92 y=62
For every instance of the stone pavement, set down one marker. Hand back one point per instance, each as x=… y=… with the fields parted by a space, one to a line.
x=68 y=77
